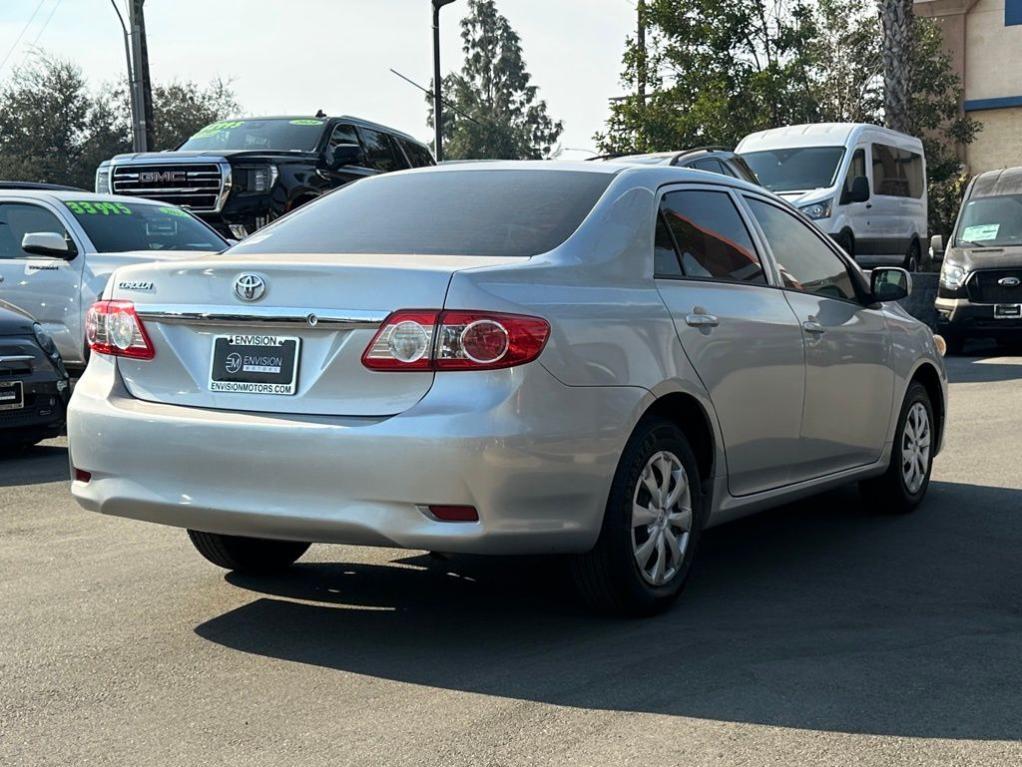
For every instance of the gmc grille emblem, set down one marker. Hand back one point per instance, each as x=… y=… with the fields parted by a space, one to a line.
x=162 y=177
x=1009 y=282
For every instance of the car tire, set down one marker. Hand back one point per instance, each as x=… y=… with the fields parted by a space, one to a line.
x=657 y=460
x=913 y=258
x=903 y=486
x=247 y=555
x=846 y=242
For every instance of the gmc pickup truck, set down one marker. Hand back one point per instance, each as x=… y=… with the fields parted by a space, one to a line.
x=239 y=175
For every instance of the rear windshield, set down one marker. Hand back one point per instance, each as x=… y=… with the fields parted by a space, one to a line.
x=796 y=170
x=991 y=222
x=471 y=213
x=116 y=227
x=298 y=134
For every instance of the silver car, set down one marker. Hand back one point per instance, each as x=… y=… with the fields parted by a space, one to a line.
x=503 y=358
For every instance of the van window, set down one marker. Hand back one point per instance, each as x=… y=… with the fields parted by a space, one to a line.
x=856 y=169
x=796 y=170
x=897 y=172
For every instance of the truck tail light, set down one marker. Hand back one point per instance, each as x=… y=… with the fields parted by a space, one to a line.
x=113 y=327
x=430 y=339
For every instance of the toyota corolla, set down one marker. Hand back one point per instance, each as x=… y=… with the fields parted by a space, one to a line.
x=596 y=361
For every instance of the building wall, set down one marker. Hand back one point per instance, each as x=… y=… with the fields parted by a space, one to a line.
x=999 y=144
x=993 y=53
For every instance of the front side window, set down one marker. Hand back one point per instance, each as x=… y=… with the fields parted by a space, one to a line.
x=804 y=261
x=991 y=222
x=19 y=219
x=448 y=213
x=117 y=227
x=856 y=169
x=711 y=239
x=298 y=134
x=800 y=169
x=343 y=134
x=897 y=172
x=381 y=152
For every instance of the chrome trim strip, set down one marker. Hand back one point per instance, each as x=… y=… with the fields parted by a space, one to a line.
x=17 y=358
x=262 y=316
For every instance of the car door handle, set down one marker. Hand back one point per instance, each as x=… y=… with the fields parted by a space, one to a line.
x=814 y=327
x=700 y=320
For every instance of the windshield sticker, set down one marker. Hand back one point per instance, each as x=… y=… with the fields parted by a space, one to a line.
x=174 y=212
x=85 y=208
x=307 y=122
x=981 y=232
x=218 y=127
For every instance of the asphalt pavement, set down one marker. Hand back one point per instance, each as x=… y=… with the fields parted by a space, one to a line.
x=817 y=634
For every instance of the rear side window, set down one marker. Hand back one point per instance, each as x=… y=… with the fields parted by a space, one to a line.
x=897 y=172
x=381 y=152
x=710 y=238
x=449 y=212
x=417 y=154
x=803 y=260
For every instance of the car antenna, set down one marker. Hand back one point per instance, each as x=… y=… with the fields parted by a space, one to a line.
x=320 y=114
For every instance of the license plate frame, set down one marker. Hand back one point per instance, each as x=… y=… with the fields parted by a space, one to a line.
x=254 y=363
x=1007 y=311
x=15 y=401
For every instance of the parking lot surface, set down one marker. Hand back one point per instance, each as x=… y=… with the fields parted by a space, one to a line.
x=820 y=633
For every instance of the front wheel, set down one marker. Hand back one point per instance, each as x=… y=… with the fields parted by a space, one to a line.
x=247 y=555
x=913 y=257
x=651 y=527
x=902 y=487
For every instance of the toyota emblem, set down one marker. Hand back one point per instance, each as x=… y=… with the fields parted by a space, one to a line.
x=249 y=287
x=1009 y=282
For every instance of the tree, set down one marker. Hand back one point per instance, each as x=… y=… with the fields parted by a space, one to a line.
x=55 y=128
x=897 y=19
x=505 y=119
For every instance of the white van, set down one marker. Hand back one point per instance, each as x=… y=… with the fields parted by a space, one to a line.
x=863 y=185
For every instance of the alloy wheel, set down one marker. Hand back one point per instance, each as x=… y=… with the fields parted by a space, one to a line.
x=661 y=518
x=915 y=448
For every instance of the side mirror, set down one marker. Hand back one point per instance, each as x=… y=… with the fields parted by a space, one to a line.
x=344 y=154
x=46 y=244
x=859 y=191
x=889 y=283
x=937 y=248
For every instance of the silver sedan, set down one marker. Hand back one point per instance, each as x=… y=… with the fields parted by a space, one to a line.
x=498 y=358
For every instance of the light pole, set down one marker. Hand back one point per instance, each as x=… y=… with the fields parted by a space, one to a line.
x=438 y=104
x=136 y=138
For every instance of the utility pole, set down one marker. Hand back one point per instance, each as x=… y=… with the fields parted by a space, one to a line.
x=143 y=125
x=438 y=102
x=640 y=40
x=132 y=90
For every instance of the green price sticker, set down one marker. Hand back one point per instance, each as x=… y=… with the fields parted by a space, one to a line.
x=86 y=208
x=307 y=122
x=177 y=212
x=218 y=127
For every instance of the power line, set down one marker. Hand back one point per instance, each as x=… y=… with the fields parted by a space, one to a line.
x=46 y=23
x=23 y=31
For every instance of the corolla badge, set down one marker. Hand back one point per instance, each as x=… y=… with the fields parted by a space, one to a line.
x=249 y=287
x=1009 y=282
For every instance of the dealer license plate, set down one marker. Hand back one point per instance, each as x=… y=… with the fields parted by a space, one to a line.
x=1008 y=311
x=254 y=364
x=12 y=395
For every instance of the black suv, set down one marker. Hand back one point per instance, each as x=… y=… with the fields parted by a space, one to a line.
x=238 y=175
x=710 y=158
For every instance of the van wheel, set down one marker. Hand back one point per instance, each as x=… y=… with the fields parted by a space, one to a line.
x=651 y=526
x=247 y=555
x=912 y=258
x=846 y=242
x=902 y=487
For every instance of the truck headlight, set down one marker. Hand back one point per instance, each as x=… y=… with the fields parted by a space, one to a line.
x=103 y=181
x=952 y=275
x=261 y=179
x=817 y=210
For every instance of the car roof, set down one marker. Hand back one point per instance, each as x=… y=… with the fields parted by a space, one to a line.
x=333 y=118
x=667 y=158
x=38 y=185
x=998 y=182
x=817 y=134
x=61 y=195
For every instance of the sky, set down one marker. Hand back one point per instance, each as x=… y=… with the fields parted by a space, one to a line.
x=297 y=56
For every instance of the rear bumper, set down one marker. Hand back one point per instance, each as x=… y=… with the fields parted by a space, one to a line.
x=958 y=316
x=536 y=459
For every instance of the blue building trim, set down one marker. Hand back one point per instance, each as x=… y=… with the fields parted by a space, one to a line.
x=975 y=105
x=1012 y=12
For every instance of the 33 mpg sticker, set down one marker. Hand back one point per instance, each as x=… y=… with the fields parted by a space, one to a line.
x=254 y=364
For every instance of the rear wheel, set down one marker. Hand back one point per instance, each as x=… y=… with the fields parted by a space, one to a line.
x=913 y=257
x=902 y=487
x=247 y=555
x=846 y=242
x=651 y=526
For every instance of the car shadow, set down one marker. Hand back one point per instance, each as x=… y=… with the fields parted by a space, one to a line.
x=984 y=365
x=818 y=615
x=34 y=465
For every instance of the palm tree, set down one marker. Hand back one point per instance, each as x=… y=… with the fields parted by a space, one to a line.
x=897 y=18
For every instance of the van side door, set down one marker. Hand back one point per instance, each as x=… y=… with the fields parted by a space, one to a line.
x=737 y=330
x=46 y=287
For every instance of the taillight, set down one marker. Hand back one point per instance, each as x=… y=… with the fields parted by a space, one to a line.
x=427 y=339
x=113 y=327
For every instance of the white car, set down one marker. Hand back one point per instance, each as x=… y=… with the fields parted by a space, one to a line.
x=59 y=247
x=864 y=185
